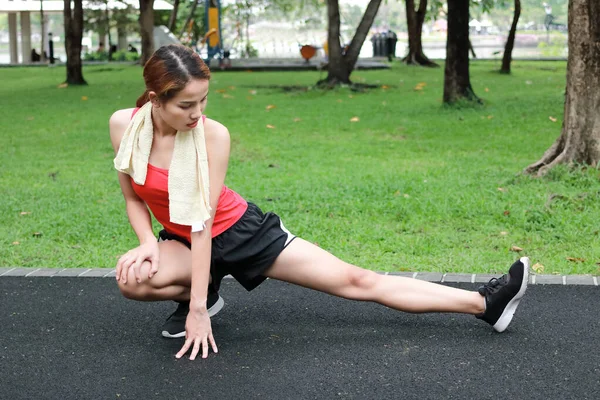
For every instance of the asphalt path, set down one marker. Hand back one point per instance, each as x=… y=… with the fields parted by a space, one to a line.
x=78 y=338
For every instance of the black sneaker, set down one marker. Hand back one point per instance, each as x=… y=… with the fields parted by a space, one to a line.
x=502 y=295
x=174 y=326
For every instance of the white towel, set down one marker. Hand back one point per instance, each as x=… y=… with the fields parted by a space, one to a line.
x=189 y=199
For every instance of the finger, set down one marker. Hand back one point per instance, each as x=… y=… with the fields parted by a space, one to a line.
x=153 y=267
x=213 y=344
x=121 y=267
x=184 y=349
x=125 y=269
x=204 y=347
x=196 y=349
x=136 y=269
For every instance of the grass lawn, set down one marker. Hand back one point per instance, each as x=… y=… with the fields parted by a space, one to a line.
x=410 y=186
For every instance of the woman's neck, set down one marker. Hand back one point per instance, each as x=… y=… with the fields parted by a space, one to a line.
x=161 y=128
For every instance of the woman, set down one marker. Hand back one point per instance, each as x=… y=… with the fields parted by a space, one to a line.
x=212 y=231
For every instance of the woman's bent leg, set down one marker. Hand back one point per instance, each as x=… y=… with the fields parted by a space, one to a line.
x=171 y=282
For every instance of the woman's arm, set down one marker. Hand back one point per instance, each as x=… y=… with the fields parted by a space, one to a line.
x=217 y=148
x=137 y=211
x=198 y=327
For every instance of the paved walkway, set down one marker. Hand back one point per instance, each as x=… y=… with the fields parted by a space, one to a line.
x=76 y=338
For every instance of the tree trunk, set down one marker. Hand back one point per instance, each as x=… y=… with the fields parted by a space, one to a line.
x=510 y=42
x=579 y=142
x=341 y=65
x=457 y=83
x=173 y=17
x=146 y=21
x=189 y=19
x=73 y=22
x=414 y=20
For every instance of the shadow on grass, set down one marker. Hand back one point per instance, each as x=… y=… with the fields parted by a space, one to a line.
x=355 y=87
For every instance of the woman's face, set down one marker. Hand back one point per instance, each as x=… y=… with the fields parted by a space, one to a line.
x=183 y=111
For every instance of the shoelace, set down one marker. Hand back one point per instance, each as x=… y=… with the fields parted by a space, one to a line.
x=493 y=285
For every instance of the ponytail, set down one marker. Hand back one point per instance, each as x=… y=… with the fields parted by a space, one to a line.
x=143 y=99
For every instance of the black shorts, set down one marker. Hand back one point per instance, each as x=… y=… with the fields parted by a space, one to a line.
x=246 y=249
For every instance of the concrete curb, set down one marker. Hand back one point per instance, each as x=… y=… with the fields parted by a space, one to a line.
x=568 y=280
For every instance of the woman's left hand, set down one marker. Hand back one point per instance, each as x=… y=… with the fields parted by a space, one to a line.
x=198 y=332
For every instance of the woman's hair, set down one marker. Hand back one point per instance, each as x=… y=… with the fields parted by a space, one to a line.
x=169 y=69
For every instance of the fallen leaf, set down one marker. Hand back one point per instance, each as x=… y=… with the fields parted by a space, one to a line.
x=501 y=189
x=490 y=116
x=397 y=193
x=63 y=85
x=487 y=90
x=339 y=100
x=528 y=82
x=350 y=96
x=297 y=119
x=232 y=87
x=503 y=233
x=354 y=119
x=249 y=98
x=538 y=268
x=84 y=98
x=221 y=91
x=575 y=259
x=273 y=166
x=384 y=87
x=25 y=212
x=506 y=212
x=252 y=92
x=30 y=118
x=516 y=249
x=15 y=243
x=406 y=196
x=37 y=234
x=228 y=96
x=270 y=107
x=270 y=126
x=551 y=118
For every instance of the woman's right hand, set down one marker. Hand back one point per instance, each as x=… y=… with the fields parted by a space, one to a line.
x=134 y=259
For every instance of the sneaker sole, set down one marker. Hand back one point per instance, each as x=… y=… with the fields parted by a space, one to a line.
x=214 y=310
x=512 y=305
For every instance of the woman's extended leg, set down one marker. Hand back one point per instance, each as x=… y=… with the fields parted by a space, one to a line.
x=307 y=265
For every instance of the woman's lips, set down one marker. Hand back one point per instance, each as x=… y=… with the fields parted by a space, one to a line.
x=192 y=125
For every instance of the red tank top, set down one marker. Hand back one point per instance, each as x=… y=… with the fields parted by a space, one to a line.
x=155 y=194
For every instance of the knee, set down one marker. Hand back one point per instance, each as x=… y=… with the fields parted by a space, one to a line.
x=361 y=279
x=133 y=289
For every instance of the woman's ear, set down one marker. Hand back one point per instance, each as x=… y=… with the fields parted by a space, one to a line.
x=153 y=97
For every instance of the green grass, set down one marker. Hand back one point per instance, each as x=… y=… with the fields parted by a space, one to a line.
x=412 y=186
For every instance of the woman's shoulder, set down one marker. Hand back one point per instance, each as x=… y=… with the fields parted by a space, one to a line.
x=123 y=116
x=118 y=124
x=215 y=130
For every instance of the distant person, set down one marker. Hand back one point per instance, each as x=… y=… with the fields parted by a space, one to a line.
x=132 y=49
x=100 y=48
x=35 y=56
x=173 y=161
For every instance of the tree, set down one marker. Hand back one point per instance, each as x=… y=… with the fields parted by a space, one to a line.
x=73 y=21
x=510 y=42
x=173 y=16
x=457 y=82
x=189 y=19
x=414 y=20
x=579 y=141
x=146 y=29
x=341 y=63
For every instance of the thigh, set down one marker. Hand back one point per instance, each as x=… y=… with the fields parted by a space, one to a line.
x=305 y=264
x=174 y=266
